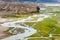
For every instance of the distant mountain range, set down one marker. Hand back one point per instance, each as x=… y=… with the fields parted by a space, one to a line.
x=40 y=1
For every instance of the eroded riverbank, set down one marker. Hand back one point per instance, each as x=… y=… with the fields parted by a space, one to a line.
x=29 y=30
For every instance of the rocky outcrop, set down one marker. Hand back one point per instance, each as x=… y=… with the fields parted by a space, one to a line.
x=16 y=7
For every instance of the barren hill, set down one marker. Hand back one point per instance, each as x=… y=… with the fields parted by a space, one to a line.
x=16 y=7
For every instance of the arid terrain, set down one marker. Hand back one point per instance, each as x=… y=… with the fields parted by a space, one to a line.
x=16 y=7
